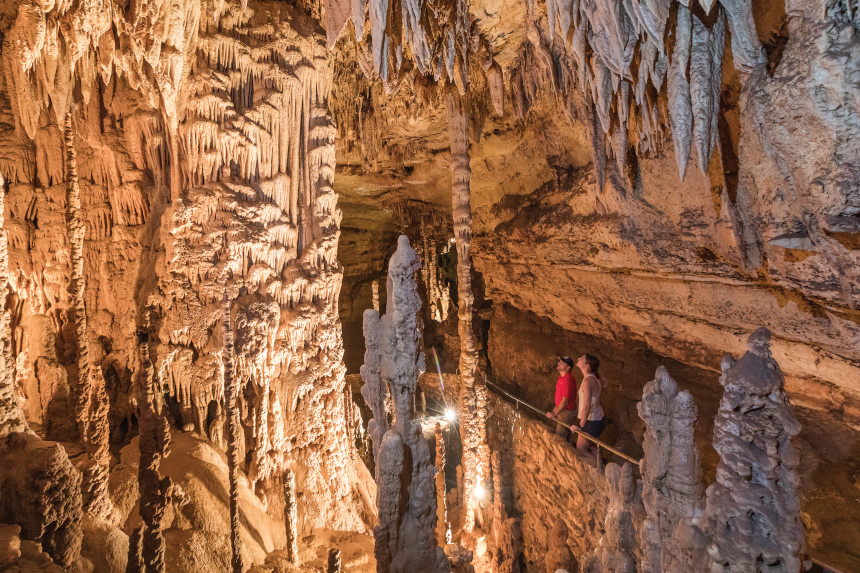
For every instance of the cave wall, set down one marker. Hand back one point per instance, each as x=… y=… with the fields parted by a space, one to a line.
x=767 y=237
x=200 y=138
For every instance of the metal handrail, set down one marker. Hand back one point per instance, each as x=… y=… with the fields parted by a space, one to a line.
x=821 y=564
x=585 y=435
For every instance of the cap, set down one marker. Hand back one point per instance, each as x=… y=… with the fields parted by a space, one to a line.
x=567 y=360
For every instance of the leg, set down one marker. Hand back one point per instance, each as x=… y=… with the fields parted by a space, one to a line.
x=565 y=419
x=561 y=429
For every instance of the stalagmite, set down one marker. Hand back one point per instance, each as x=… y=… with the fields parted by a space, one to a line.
x=618 y=545
x=334 y=562
x=76 y=229
x=680 y=106
x=375 y=288
x=472 y=419
x=672 y=487
x=753 y=510
x=405 y=536
x=507 y=531
x=154 y=444
x=374 y=391
x=230 y=398
x=441 y=490
x=291 y=517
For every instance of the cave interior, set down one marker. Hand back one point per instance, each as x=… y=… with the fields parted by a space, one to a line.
x=286 y=286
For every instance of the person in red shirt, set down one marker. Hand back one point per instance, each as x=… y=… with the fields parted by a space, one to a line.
x=565 y=398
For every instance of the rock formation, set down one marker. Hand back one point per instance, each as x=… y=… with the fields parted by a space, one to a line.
x=442 y=525
x=154 y=490
x=42 y=494
x=405 y=536
x=618 y=546
x=230 y=399
x=471 y=403
x=291 y=517
x=559 y=555
x=753 y=509
x=507 y=531
x=672 y=487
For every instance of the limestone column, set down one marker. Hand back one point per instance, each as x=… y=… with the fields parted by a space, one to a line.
x=233 y=427
x=472 y=414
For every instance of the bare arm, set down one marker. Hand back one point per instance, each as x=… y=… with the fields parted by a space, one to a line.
x=585 y=407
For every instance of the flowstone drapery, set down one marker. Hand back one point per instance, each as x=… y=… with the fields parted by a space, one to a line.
x=405 y=536
x=753 y=509
x=672 y=487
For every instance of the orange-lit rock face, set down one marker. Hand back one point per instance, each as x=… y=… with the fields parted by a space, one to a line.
x=204 y=152
x=763 y=233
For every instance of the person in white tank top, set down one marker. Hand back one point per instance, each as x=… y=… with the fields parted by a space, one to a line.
x=590 y=412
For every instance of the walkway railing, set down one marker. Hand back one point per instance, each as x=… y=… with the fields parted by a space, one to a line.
x=600 y=444
x=815 y=562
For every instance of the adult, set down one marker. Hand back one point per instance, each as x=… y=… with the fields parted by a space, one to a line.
x=590 y=412
x=565 y=398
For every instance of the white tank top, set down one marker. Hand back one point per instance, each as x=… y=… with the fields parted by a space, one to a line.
x=596 y=412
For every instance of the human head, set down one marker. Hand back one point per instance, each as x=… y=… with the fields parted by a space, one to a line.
x=565 y=364
x=589 y=364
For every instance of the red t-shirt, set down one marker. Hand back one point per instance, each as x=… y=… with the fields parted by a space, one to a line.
x=565 y=387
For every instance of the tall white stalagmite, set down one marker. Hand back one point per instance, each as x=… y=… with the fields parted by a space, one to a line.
x=291 y=517
x=406 y=536
x=154 y=446
x=88 y=390
x=472 y=400
x=76 y=230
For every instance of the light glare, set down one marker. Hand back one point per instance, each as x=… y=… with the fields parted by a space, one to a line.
x=450 y=414
x=479 y=492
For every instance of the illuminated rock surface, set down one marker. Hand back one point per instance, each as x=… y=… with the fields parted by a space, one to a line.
x=648 y=180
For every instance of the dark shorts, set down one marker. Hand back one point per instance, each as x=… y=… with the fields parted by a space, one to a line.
x=594 y=427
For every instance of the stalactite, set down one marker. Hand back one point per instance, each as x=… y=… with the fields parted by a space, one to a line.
x=334 y=562
x=470 y=418
x=441 y=492
x=680 y=106
x=291 y=517
x=706 y=80
x=154 y=444
x=233 y=428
